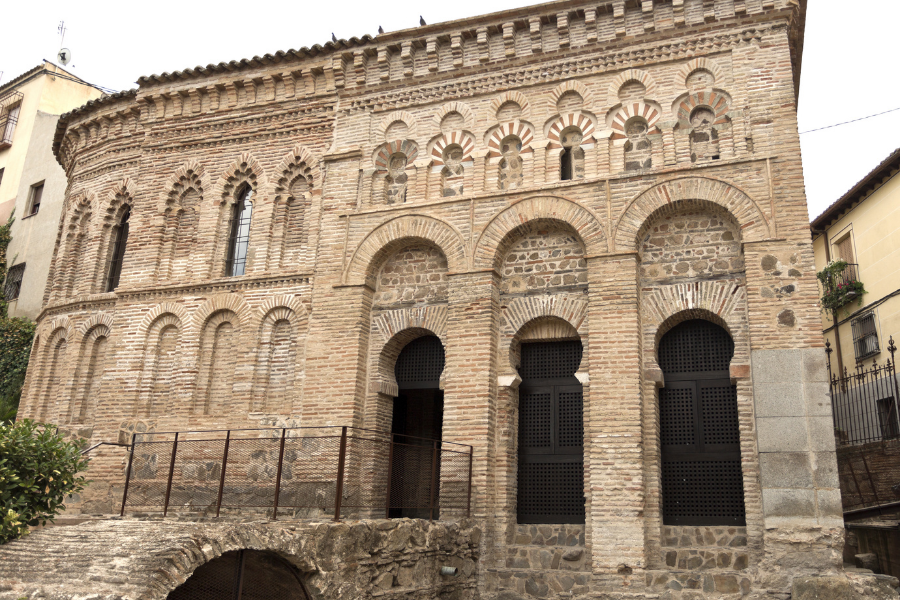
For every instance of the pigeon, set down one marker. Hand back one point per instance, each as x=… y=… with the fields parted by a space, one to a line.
x=333 y=37
x=380 y=30
x=421 y=20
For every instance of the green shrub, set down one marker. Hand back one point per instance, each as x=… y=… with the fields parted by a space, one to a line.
x=38 y=469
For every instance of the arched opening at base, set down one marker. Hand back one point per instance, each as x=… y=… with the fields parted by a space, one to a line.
x=702 y=480
x=243 y=575
x=551 y=434
x=418 y=418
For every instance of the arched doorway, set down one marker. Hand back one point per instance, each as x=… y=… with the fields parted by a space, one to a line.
x=416 y=425
x=243 y=575
x=551 y=434
x=702 y=482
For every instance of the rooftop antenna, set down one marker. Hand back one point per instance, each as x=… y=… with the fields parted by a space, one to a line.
x=64 y=55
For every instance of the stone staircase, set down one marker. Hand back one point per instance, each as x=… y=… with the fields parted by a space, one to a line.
x=542 y=561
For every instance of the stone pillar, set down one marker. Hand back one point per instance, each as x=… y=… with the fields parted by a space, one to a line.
x=795 y=434
x=613 y=442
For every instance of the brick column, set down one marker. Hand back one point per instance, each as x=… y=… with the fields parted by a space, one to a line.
x=470 y=392
x=613 y=441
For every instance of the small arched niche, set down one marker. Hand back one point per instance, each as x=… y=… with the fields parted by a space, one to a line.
x=243 y=575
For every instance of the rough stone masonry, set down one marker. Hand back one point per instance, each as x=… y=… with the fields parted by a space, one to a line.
x=603 y=172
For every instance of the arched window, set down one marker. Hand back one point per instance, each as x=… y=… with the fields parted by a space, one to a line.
x=571 y=159
x=638 y=148
x=704 y=137
x=120 y=239
x=702 y=481
x=239 y=237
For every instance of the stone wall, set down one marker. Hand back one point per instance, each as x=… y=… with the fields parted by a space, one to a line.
x=130 y=559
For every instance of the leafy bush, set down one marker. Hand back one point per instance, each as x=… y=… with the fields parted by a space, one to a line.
x=839 y=286
x=38 y=469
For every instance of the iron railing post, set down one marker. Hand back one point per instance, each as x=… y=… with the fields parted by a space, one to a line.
x=171 y=472
x=339 y=488
x=222 y=478
x=278 y=475
x=433 y=470
x=892 y=348
x=390 y=477
x=127 y=475
x=469 y=494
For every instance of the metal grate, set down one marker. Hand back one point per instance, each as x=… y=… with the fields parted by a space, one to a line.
x=695 y=346
x=242 y=575
x=535 y=411
x=702 y=481
x=239 y=234
x=555 y=492
x=676 y=414
x=550 y=360
x=865 y=336
x=720 y=416
x=14 y=281
x=703 y=492
x=420 y=364
x=551 y=434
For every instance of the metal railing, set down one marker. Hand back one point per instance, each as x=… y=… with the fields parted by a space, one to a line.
x=10 y=104
x=864 y=402
x=309 y=471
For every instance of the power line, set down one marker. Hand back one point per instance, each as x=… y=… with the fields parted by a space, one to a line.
x=853 y=121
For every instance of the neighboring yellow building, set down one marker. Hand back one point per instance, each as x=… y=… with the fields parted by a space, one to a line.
x=863 y=230
x=31 y=181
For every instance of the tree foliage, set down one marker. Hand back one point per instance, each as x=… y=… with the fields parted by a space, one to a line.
x=16 y=336
x=38 y=469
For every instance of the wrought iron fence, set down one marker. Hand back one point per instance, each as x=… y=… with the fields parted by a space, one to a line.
x=308 y=471
x=864 y=402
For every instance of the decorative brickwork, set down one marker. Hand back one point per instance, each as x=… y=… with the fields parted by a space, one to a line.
x=536 y=175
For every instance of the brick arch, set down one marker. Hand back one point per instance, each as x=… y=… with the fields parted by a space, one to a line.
x=642 y=77
x=716 y=100
x=291 y=303
x=274 y=311
x=620 y=114
x=504 y=225
x=572 y=85
x=463 y=139
x=60 y=333
x=699 y=63
x=723 y=302
x=583 y=120
x=390 y=323
x=96 y=320
x=245 y=169
x=557 y=316
x=398 y=115
x=81 y=401
x=393 y=234
x=298 y=156
x=517 y=97
x=521 y=129
x=230 y=302
x=753 y=222
x=190 y=175
x=459 y=107
x=159 y=319
x=385 y=381
x=162 y=309
x=385 y=151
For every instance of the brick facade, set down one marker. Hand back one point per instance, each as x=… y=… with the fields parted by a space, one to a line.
x=411 y=185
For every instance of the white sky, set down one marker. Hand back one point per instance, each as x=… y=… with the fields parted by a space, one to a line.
x=849 y=68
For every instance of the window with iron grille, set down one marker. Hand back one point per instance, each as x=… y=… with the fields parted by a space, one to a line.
x=865 y=336
x=114 y=271
x=14 y=281
x=8 y=125
x=887 y=418
x=239 y=237
x=34 y=202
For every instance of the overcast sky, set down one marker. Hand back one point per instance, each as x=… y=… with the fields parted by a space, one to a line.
x=849 y=68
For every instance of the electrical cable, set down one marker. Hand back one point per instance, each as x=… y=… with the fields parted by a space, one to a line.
x=852 y=121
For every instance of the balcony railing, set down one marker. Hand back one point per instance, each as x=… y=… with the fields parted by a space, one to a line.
x=307 y=471
x=842 y=287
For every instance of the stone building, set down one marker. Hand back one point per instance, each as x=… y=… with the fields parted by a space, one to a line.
x=592 y=213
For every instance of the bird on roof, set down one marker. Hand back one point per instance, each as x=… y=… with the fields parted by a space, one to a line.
x=380 y=30
x=333 y=37
x=422 y=21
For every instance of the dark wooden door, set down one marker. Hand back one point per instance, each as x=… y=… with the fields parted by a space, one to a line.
x=551 y=435
x=702 y=481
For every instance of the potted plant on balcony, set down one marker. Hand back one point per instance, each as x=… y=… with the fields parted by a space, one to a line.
x=839 y=287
